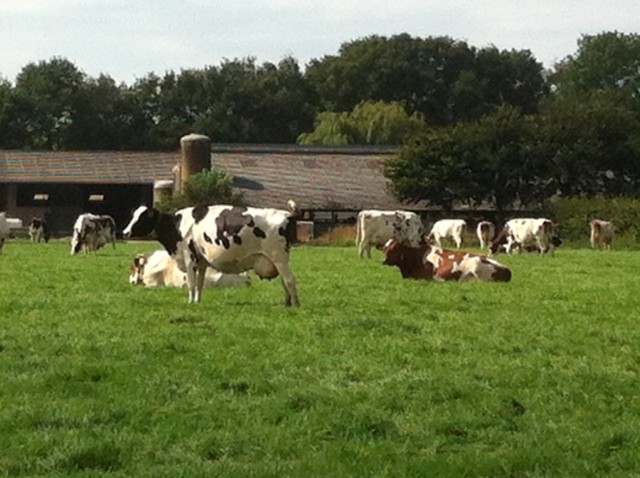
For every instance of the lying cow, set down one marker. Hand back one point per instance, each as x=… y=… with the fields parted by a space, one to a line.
x=602 y=234
x=91 y=232
x=447 y=228
x=38 y=230
x=485 y=231
x=374 y=228
x=160 y=269
x=433 y=263
x=520 y=233
x=229 y=239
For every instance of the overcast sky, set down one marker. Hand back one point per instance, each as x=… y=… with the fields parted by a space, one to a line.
x=127 y=39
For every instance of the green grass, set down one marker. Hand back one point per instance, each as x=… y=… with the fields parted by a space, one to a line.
x=371 y=376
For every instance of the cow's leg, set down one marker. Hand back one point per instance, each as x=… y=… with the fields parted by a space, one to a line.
x=281 y=262
x=458 y=241
x=361 y=248
x=192 y=282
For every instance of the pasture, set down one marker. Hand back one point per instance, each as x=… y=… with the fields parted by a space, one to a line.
x=371 y=376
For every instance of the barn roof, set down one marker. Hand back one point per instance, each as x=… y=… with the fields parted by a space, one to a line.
x=348 y=178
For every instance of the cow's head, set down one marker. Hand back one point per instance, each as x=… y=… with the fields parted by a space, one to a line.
x=137 y=269
x=142 y=223
x=393 y=251
x=499 y=242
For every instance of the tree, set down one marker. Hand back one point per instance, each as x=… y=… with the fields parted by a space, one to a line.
x=489 y=160
x=442 y=79
x=370 y=122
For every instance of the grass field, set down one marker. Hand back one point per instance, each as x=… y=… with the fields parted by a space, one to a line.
x=372 y=376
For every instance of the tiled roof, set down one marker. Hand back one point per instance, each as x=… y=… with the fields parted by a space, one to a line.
x=315 y=177
x=111 y=167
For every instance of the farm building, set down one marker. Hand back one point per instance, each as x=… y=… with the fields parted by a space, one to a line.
x=329 y=184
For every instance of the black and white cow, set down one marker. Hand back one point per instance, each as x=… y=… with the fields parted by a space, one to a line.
x=230 y=239
x=91 y=232
x=38 y=230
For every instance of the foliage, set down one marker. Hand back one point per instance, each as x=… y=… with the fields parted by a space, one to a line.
x=442 y=79
x=370 y=122
x=204 y=188
x=387 y=377
x=573 y=216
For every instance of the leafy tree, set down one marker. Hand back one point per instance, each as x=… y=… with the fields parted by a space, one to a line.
x=369 y=123
x=605 y=61
x=485 y=161
x=204 y=188
x=443 y=79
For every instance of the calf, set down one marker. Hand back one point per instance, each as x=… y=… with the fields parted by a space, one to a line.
x=38 y=230
x=230 y=239
x=91 y=232
x=602 y=233
x=433 y=263
x=485 y=231
x=521 y=233
x=160 y=269
x=447 y=228
x=374 y=228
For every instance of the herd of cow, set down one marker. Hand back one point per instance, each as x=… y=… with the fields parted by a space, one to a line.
x=217 y=245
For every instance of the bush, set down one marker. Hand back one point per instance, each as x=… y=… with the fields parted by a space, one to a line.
x=573 y=216
x=204 y=188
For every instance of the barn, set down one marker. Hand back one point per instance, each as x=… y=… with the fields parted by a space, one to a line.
x=329 y=184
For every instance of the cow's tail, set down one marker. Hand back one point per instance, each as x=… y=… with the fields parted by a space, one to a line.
x=359 y=226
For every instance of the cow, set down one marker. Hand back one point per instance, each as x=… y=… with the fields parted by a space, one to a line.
x=91 y=232
x=523 y=232
x=485 y=231
x=430 y=262
x=160 y=269
x=447 y=228
x=38 y=230
x=602 y=233
x=229 y=239
x=375 y=227
x=4 y=230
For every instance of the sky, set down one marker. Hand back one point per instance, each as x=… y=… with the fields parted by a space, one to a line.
x=128 y=39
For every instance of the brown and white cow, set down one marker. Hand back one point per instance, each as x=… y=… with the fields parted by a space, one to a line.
x=38 y=230
x=160 y=269
x=447 y=228
x=374 y=228
x=433 y=263
x=521 y=233
x=229 y=239
x=602 y=234
x=485 y=231
x=91 y=232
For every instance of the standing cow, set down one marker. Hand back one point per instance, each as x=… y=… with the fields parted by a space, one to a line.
x=485 y=231
x=4 y=230
x=602 y=233
x=521 y=233
x=38 y=230
x=448 y=228
x=92 y=231
x=230 y=239
x=374 y=228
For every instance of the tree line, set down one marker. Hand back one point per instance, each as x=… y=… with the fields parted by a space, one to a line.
x=474 y=124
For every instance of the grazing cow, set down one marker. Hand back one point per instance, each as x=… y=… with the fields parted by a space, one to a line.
x=160 y=269
x=433 y=263
x=602 y=233
x=230 y=239
x=374 y=228
x=452 y=228
x=485 y=231
x=4 y=230
x=521 y=233
x=38 y=230
x=91 y=232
